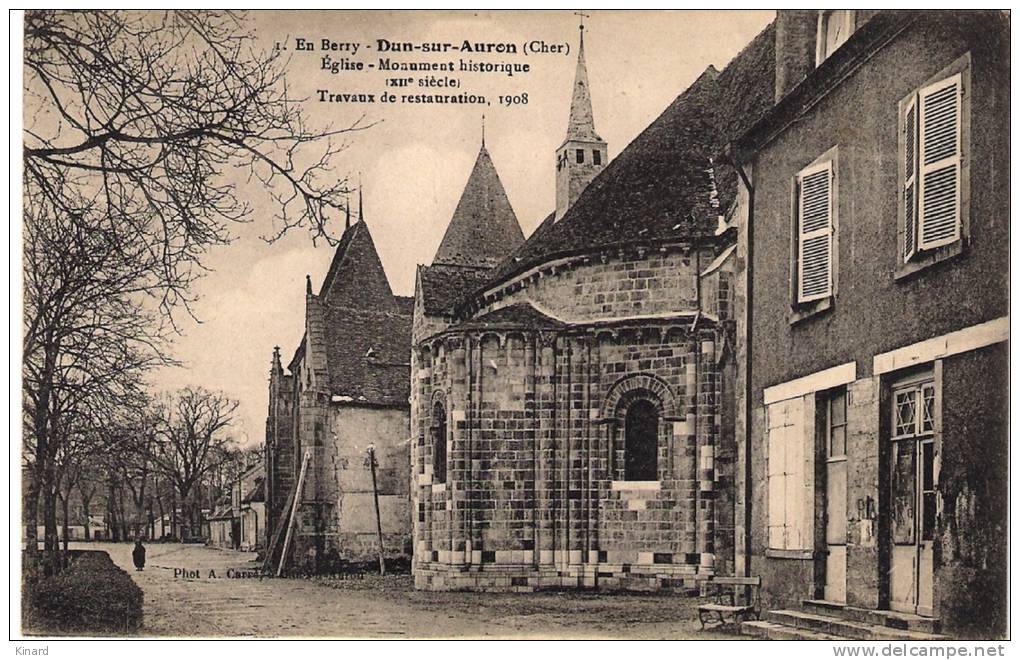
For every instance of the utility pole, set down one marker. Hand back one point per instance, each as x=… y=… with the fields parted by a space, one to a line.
x=378 y=519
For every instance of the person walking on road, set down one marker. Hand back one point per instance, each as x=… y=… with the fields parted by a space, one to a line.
x=138 y=555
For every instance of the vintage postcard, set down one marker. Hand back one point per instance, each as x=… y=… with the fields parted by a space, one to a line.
x=572 y=324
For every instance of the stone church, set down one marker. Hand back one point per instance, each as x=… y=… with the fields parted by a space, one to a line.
x=345 y=390
x=572 y=394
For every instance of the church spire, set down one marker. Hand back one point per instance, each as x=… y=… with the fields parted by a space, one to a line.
x=277 y=367
x=583 y=153
x=581 y=125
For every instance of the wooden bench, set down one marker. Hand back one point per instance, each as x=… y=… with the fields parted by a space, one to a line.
x=724 y=590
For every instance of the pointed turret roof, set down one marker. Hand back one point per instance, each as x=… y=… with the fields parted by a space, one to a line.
x=582 y=121
x=356 y=331
x=356 y=277
x=484 y=227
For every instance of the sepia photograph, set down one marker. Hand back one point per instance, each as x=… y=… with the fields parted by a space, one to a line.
x=572 y=324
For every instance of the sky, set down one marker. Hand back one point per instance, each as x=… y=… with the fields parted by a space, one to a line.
x=415 y=159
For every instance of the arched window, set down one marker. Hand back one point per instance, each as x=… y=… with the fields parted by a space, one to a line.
x=641 y=442
x=439 y=444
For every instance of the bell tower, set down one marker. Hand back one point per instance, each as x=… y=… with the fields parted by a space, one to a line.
x=583 y=153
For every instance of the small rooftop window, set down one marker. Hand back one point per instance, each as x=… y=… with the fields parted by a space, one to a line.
x=834 y=27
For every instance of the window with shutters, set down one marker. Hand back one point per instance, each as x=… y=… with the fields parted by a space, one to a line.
x=813 y=253
x=933 y=176
x=790 y=518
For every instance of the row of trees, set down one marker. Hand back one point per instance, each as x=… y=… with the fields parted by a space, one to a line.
x=171 y=455
x=147 y=134
x=154 y=478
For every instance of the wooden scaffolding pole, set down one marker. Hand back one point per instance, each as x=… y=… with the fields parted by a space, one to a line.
x=378 y=517
x=293 y=511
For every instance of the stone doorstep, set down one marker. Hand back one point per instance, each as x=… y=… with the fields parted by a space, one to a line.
x=888 y=618
x=847 y=629
x=779 y=632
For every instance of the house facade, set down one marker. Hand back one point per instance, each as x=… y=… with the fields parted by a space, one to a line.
x=344 y=391
x=238 y=521
x=572 y=393
x=874 y=375
x=249 y=506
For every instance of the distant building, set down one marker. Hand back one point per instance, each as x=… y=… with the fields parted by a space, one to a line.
x=252 y=516
x=345 y=390
x=221 y=524
x=239 y=519
x=876 y=476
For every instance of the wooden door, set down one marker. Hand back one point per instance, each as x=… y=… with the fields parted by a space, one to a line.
x=835 y=497
x=913 y=477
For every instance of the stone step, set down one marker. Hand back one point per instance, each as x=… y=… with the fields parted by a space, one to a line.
x=846 y=628
x=888 y=618
x=779 y=632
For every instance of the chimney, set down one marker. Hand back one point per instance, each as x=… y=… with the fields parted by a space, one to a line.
x=796 y=36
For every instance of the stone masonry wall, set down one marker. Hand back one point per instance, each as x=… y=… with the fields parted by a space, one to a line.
x=352 y=430
x=636 y=282
x=534 y=495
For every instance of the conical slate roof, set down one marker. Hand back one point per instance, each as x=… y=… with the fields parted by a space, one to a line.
x=582 y=121
x=484 y=228
x=356 y=277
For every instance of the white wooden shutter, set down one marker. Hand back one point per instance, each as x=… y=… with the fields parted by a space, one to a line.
x=939 y=163
x=797 y=534
x=910 y=181
x=776 y=473
x=814 y=239
x=789 y=518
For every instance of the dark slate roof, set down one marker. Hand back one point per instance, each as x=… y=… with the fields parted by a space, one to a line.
x=518 y=315
x=356 y=277
x=484 y=227
x=405 y=304
x=665 y=185
x=367 y=330
x=368 y=355
x=442 y=286
x=257 y=492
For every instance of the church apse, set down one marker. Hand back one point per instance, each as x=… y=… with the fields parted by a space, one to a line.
x=546 y=417
x=578 y=390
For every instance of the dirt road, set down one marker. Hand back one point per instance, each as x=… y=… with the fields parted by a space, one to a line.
x=195 y=591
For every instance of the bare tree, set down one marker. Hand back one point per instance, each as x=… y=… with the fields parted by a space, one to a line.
x=88 y=338
x=149 y=114
x=133 y=465
x=191 y=442
x=137 y=126
x=88 y=485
